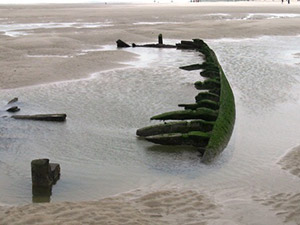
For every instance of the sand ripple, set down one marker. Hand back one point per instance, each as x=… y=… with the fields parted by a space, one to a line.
x=160 y=207
x=286 y=206
x=291 y=161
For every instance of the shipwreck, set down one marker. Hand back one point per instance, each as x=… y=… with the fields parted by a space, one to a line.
x=206 y=123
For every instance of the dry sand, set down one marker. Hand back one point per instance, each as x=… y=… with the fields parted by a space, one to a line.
x=290 y=161
x=171 y=206
x=164 y=207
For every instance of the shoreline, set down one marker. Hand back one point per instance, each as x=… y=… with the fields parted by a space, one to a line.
x=203 y=20
x=122 y=65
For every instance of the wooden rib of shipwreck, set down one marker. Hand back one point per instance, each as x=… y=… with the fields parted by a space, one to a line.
x=42 y=117
x=212 y=115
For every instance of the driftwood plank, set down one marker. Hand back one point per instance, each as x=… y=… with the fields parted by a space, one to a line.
x=42 y=117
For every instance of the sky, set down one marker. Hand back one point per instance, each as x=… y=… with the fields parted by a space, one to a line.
x=83 y=1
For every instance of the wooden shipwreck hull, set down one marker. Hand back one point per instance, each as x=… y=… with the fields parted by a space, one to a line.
x=208 y=123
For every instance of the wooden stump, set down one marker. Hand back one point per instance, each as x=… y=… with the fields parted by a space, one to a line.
x=160 y=39
x=44 y=175
x=41 y=173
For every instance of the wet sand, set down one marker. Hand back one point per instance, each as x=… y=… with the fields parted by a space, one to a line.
x=56 y=54
x=132 y=23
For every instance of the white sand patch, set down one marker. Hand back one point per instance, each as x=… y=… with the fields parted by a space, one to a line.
x=291 y=162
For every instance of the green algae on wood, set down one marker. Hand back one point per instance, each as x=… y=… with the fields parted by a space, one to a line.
x=221 y=133
x=224 y=124
x=176 y=127
x=203 y=103
x=200 y=113
x=208 y=84
x=216 y=91
x=195 y=138
x=217 y=104
x=191 y=67
x=210 y=73
x=208 y=96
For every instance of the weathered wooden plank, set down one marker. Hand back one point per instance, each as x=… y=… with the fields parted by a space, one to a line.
x=42 y=117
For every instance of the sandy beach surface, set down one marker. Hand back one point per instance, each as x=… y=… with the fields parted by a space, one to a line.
x=41 y=44
x=132 y=23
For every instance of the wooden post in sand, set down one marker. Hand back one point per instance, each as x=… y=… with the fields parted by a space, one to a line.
x=40 y=173
x=160 y=39
x=43 y=175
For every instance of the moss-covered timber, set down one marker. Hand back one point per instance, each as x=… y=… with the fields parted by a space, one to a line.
x=210 y=74
x=217 y=104
x=191 y=67
x=208 y=96
x=176 y=127
x=203 y=103
x=200 y=113
x=191 y=106
x=195 y=138
x=210 y=66
x=216 y=91
x=186 y=45
x=209 y=104
x=208 y=84
x=221 y=133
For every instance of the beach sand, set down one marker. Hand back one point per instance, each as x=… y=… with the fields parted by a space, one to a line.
x=290 y=161
x=127 y=22
x=44 y=55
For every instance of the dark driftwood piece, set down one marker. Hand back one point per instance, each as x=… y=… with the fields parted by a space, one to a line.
x=42 y=117
x=13 y=101
x=13 y=109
